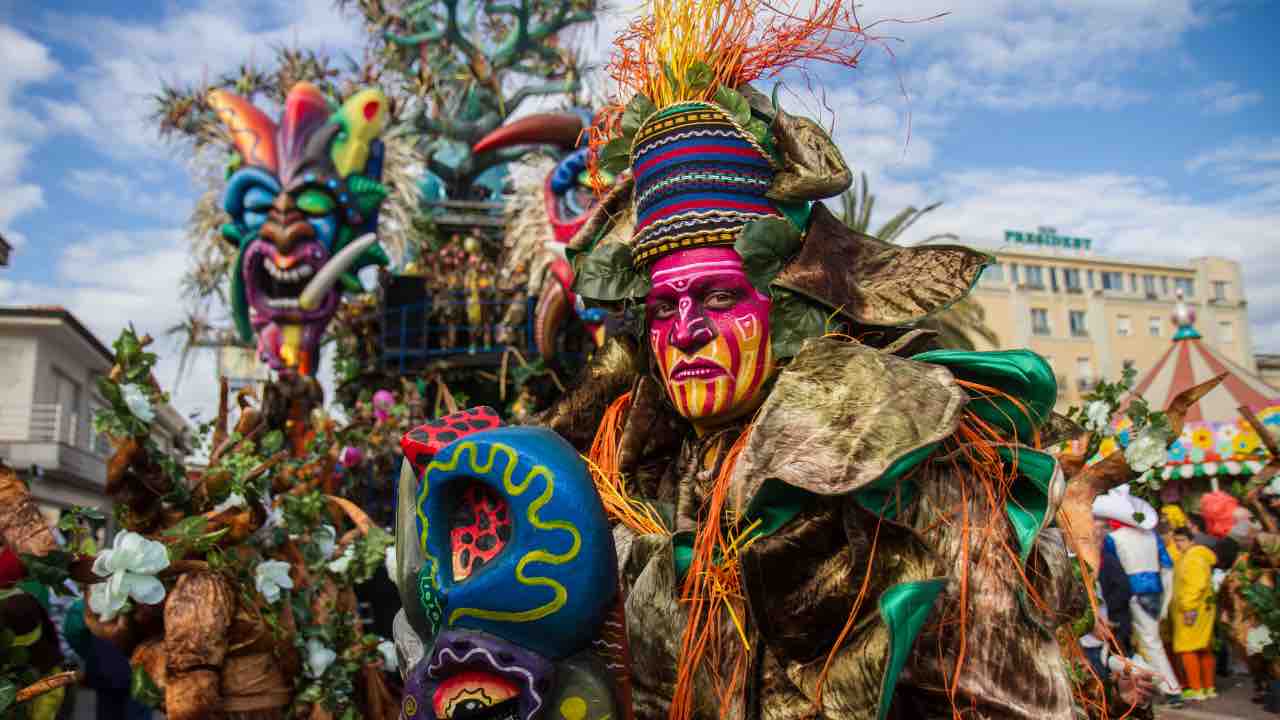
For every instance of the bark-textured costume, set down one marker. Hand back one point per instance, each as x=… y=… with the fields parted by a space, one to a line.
x=812 y=516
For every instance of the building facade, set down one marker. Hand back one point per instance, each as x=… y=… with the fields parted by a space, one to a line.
x=1093 y=316
x=49 y=368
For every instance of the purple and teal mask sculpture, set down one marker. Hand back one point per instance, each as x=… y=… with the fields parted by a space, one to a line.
x=508 y=575
x=303 y=196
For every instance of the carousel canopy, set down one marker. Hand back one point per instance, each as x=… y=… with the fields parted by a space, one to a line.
x=1215 y=440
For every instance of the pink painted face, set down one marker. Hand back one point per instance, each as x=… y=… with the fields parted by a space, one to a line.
x=709 y=332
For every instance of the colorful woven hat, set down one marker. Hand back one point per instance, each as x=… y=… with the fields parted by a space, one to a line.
x=699 y=178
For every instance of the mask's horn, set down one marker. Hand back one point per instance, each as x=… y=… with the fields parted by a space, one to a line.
x=328 y=275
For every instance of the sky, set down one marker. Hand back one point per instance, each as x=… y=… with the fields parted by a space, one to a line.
x=1149 y=126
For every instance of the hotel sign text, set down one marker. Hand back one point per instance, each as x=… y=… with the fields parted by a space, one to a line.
x=1047 y=237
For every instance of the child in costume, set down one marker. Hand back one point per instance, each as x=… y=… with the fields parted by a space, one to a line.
x=1192 y=613
x=807 y=524
x=1141 y=553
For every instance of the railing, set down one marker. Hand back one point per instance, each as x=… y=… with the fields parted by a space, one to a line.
x=39 y=422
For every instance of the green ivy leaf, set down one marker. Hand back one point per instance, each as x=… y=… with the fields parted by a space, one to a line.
x=792 y=320
x=638 y=110
x=737 y=105
x=143 y=689
x=27 y=639
x=699 y=76
x=8 y=694
x=615 y=156
x=608 y=274
x=765 y=246
x=272 y=442
x=52 y=569
x=759 y=130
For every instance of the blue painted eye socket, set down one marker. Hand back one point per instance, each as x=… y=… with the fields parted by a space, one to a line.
x=248 y=197
x=326 y=228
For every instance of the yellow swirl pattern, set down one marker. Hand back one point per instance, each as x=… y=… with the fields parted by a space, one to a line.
x=537 y=555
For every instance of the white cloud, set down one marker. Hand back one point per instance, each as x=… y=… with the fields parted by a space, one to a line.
x=1224 y=98
x=1127 y=216
x=128 y=61
x=26 y=62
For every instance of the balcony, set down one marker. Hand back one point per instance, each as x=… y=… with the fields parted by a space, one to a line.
x=47 y=436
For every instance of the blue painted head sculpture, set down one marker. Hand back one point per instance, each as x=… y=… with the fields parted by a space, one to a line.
x=507 y=571
x=303 y=198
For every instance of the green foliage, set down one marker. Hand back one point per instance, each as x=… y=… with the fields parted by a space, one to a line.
x=190 y=536
x=792 y=320
x=608 y=274
x=736 y=105
x=143 y=689
x=52 y=569
x=1265 y=602
x=370 y=554
x=765 y=247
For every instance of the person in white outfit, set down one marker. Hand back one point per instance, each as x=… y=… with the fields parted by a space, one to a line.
x=1142 y=554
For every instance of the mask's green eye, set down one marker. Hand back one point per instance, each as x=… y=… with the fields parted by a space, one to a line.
x=315 y=202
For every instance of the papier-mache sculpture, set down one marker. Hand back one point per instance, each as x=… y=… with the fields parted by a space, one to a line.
x=303 y=196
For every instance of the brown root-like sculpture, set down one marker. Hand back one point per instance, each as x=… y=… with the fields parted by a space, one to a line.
x=247 y=567
x=1075 y=515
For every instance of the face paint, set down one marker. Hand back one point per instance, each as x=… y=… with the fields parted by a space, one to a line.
x=709 y=333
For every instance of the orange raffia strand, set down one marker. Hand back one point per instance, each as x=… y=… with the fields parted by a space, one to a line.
x=713 y=582
x=603 y=461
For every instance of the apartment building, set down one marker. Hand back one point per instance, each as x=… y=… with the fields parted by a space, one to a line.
x=49 y=368
x=1092 y=316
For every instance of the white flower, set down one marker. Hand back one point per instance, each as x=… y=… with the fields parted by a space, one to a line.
x=319 y=658
x=266 y=535
x=139 y=404
x=1273 y=487
x=270 y=577
x=233 y=500
x=389 y=660
x=1258 y=639
x=130 y=566
x=343 y=563
x=325 y=538
x=1098 y=418
x=390 y=563
x=1146 y=452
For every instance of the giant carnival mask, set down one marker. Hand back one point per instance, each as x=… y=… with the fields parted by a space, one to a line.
x=303 y=201
x=506 y=569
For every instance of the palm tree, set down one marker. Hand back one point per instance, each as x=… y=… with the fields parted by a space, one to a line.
x=958 y=325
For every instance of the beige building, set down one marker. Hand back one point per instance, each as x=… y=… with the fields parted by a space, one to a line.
x=49 y=368
x=1092 y=316
x=1269 y=368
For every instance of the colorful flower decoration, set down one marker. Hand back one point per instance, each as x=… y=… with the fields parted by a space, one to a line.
x=1246 y=443
x=1196 y=454
x=1178 y=451
x=130 y=567
x=1202 y=438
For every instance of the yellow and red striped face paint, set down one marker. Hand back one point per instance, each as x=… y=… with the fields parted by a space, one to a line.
x=709 y=333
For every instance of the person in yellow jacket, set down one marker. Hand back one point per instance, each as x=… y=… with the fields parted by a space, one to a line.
x=1192 y=612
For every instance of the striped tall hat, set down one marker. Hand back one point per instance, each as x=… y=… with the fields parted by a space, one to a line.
x=699 y=178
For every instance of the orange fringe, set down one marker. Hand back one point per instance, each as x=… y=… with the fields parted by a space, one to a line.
x=713 y=582
x=603 y=461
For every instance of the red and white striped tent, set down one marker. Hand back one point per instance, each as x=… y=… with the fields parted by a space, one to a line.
x=1215 y=440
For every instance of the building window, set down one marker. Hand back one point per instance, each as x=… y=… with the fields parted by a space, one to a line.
x=1226 y=333
x=1129 y=364
x=1149 y=285
x=1034 y=277
x=1091 y=283
x=1084 y=372
x=1133 y=283
x=1124 y=326
x=1164 y=284
x=1220 y=290
x=1113 y=281
x=1053 y=278
x=1013 y=273
x=1079 y=323
x=993 y=274
x=1186 y=285
x=1040 y=321
x=1153 y=326
x=1071 y=278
